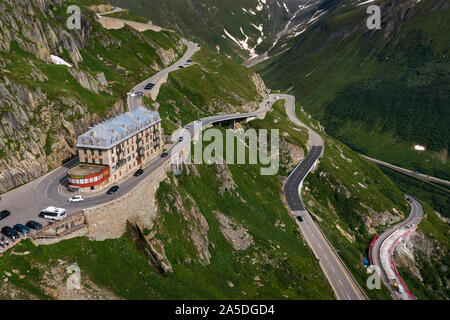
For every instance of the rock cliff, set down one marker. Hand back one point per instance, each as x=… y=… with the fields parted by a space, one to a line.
x=45 y=106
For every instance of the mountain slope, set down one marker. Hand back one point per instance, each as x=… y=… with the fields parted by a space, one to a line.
x=379 y=91
x=44 y=106
x=239 y=29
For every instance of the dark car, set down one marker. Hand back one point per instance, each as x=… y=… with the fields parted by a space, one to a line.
x=165 y=154
x=139 y=173
x=189 y=60
x=139 y=93
x=113 y=190
x=149 y=86
x=4 y=214
x=181 y=67
x=21 y=228
x=10 y=233
x=34 y=225
x=299 y=218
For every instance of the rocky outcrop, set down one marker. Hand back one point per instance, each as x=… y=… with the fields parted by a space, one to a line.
x=88 y=82
x=419 y=254
x=234 y=232
x=226 y=178
x=290 y=155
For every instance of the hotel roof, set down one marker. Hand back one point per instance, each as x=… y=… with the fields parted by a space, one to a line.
x=116 y=130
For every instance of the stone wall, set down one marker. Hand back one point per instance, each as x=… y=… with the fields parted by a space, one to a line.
x=113 y=23
x=155 y=92
x=108 y=221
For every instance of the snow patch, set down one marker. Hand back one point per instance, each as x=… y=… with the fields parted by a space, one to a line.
x=60 y=61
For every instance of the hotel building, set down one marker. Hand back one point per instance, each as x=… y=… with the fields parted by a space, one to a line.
x=115 y=149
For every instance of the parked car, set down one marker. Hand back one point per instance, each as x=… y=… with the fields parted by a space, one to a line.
x=21 y=228
x=10 y=233
x=139 y=93
x=139 y=173
x=180 y=139
x=53 y=213
x=112 y=190
x=149 y=86
x=34 y=225
x=4 y=214
x=76 y=199
x=180 y=67
x=189 y=61
x=299 y=218
x=165 y=154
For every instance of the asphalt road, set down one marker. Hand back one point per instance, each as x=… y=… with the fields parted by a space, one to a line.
x=27 y=201
x=135 y=101
x=340 y=279
x=381 y=250
x=414 y=174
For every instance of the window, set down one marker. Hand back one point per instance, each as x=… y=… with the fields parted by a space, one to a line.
x=92 y=151
x=99 y=152
x=85 y=151
x=93 y=161
x=101 y=161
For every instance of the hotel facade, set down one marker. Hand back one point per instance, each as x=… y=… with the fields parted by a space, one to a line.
x=115 y=149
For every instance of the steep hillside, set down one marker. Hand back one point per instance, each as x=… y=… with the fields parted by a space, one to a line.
x=352 y=201
x=423 y=259
x=239 y=29
x=213 y=85
x=222 y=232
x=44 y=106
x=379 y=91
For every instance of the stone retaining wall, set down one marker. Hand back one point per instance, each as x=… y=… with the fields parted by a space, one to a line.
x=108 y=221
x=113 y=23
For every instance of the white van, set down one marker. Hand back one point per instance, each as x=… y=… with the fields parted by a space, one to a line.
x=53 y=213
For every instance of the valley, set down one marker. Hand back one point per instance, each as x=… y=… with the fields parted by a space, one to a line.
x=333 y=91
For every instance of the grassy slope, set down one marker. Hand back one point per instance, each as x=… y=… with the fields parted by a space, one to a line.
x=206 y=20
x=128 y=15
x=324 y=195
x=381 y=194
x=434 y=270
x=213 y=85
x=279 y=256
x=282 y=123
x=437 y=196
x=328 y=64
x=290 y=270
